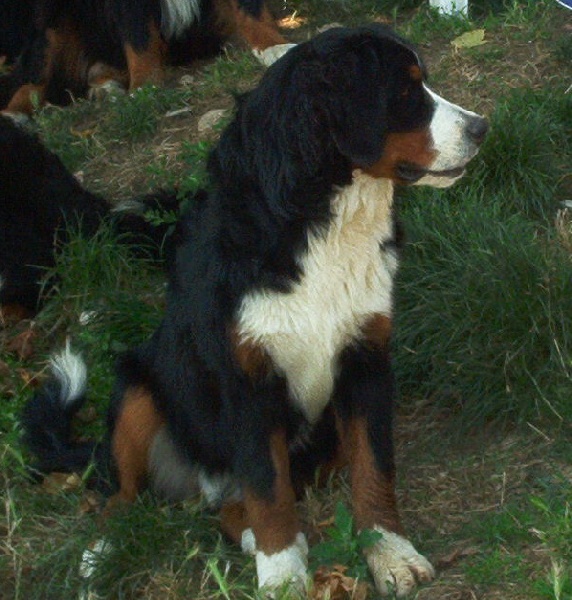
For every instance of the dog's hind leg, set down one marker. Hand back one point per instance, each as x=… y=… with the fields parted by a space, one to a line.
x=136 y=427
x=255 y=26
x=146 y=65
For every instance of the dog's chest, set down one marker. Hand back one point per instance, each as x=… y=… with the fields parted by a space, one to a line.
x=347 y=278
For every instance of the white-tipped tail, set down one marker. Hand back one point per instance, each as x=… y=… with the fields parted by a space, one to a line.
x=70 y=371
x=130 y=206
x=178 y=15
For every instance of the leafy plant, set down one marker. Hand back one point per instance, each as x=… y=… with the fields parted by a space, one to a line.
x=344 y=546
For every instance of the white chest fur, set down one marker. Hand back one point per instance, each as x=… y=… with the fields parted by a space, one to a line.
x=346 y=279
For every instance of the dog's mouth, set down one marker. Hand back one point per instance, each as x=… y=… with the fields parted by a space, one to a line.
x=411 y=173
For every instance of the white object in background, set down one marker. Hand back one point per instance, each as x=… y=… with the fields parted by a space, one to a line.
x=450 y=7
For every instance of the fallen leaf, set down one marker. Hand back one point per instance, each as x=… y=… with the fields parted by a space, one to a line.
x=82 y=133
x=12 y=313
x=457 y=554
x=5 y=370
x=210 y=119
x=23 y=344
x=87 y=414
x=29 y=378
x=326 y=523
x=292 y=22
x=470 y=39
x=89 y=503
x=54 y=483
x=334 y=584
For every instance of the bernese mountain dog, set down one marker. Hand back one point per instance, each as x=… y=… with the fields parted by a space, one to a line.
x=273 y=355
x=40 y=203
x=78 y=44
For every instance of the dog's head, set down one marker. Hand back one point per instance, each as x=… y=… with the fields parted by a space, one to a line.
x=367 y=88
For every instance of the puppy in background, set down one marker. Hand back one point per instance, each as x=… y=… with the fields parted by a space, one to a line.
x=40 y=201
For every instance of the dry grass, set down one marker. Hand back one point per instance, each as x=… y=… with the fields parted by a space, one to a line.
x=452 y=489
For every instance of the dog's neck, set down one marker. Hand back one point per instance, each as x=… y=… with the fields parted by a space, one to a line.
x=365 y=205
x=345 y=279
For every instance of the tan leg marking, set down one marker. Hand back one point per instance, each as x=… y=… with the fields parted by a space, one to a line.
x=64 y=53
x=26 y=98
x=146 y=66
x=259 y=33
x=234 y=520
x=274 y=522
x=373 y=492
x=135 y=429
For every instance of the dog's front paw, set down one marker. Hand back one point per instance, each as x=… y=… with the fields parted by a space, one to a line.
x=271 y=54
x=396 y=566
x=284 y=570
x=90 y=560
x=18 y=118
x=106 y=89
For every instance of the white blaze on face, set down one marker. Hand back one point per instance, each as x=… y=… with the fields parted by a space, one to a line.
x=453 y=145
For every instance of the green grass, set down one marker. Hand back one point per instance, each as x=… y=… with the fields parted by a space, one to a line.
x=541 y=524
x=483 y=335
x=190 y=174
x=485 y=290
x=525 y=165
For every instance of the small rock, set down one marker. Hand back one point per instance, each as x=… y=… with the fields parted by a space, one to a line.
x=210 y=119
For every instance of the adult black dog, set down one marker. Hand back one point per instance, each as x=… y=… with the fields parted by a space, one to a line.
x=273 y=354
x=76 y=44
x=40 y=202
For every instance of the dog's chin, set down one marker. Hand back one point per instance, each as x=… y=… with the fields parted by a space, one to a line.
x=410 y=174
x=437 y=180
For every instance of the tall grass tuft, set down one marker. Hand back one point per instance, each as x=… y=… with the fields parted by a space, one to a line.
x=528 y=152
x=484 y=300
x=484 y=309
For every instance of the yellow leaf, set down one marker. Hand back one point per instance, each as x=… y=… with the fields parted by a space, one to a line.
x=470 y=39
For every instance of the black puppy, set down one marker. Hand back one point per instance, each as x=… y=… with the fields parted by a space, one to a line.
x=39 y=201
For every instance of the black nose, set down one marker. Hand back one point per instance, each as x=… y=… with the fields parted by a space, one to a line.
x=477 y=128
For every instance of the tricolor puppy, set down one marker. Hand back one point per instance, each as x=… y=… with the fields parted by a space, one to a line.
x=76 y=44
x=273 y=354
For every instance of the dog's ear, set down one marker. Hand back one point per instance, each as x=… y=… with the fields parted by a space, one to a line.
x=354 y=96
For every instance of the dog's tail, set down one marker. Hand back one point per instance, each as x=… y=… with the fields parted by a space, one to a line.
x=47 y=418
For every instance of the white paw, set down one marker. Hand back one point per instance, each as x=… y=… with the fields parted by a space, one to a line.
x=90 y=560
x=271 y=54
x=108 y=88
x=92 y=556
x=248 y=542
x=396 y=566
x=285 y=569
x=18 y=118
